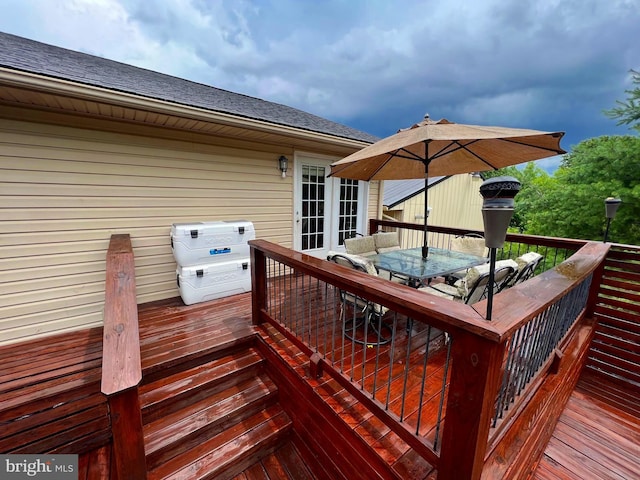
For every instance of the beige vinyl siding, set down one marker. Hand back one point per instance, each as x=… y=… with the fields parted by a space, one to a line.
x=455 y=202
x=65 y=190
x=374 y=207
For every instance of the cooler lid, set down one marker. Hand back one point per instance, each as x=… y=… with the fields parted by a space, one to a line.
x=197 y=229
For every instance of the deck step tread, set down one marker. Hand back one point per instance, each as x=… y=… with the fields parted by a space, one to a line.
x=226 y=455
x=203 y=342
x=175 y=433
x=50 y=388
x=33 y=416
x=285 y=463
x=168 y=394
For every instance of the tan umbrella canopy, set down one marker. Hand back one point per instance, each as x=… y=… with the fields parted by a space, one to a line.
x=439 y=148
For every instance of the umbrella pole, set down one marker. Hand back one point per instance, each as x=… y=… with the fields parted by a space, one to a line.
x=425 y=241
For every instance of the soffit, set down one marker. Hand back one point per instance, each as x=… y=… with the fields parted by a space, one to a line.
x=131 y=110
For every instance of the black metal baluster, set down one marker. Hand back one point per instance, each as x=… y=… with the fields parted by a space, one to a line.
x=516 y=365
x=424 y=376
x=365 y=344
x=406 y=374
x=391 y=357
x=442 y=392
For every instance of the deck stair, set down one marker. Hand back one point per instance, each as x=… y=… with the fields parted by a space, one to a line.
x=212 y=417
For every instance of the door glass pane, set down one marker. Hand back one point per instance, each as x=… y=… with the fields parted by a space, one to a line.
x=313 y=178
x=348 y=209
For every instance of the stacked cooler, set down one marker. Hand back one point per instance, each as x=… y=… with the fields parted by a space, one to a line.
x=213 y=259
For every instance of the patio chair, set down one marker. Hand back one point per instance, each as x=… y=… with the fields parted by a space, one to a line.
x=386 y=241
x=366 y=314
x=527 y=265
x=364 y=246
x=475 y=285
x=471 y=243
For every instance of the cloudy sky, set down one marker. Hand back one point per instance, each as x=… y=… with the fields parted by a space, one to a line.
x=374 y=65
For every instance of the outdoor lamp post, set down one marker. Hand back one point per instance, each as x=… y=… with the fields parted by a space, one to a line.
x=611 y=207
x=497 y=209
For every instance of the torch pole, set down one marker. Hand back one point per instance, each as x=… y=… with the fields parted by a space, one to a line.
x=492 y=268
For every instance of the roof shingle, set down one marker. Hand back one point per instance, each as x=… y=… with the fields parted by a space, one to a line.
x=19 y=53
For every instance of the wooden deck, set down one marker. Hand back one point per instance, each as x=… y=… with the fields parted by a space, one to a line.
x=598 y=435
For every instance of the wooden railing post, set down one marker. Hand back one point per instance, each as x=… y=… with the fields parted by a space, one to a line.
x=121 y=365
x=373 y=226
x=594 y=289
x=475 y=377
x=258 y=284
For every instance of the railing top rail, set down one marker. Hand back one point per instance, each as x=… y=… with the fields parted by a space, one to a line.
x=555 y=242
x=121 y=365
x=519 y=304
x=511 y=308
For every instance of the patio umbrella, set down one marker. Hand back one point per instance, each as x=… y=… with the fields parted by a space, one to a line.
x=438 y=148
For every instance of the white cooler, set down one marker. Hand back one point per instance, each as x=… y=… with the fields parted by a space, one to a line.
x=200 y=283
x=211 y=242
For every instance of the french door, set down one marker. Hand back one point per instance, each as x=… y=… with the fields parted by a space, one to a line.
x=326 y=210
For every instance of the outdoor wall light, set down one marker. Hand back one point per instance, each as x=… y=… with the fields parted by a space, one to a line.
x=497 y=209
x=420 y=216
x=611 y=207
x=283 y=165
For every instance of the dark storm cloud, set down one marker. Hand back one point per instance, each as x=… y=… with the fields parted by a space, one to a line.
x=374 y=65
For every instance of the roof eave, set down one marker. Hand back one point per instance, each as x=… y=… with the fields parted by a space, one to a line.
x=57 y=86
x=417 y=192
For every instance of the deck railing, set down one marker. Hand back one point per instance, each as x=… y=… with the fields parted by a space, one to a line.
x=554 y=250
x=457 y=399
x=533 y=345
x=121 y=366
x=309 y=300
x=615 y=351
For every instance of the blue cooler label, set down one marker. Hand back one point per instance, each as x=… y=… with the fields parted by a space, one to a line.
x=218 y=251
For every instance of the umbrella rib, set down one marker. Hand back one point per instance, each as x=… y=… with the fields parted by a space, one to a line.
x=410 y=156
x=547 y=149
x=382 y=164
x=464 y=147
x=446 y=151
x=391 y=155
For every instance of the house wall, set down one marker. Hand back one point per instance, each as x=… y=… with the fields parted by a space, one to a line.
x=455 y=202
x=65 y=190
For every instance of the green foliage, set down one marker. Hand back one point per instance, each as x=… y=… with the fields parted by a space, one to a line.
x=570 y=204
x=573 y=202
x=628 y=112
x=533 y=180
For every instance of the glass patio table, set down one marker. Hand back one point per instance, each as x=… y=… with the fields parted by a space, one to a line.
x=440 y=262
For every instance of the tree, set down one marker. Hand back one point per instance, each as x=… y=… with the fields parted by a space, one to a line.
x=628 y=112
x=573 y=202
x=532 y=179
